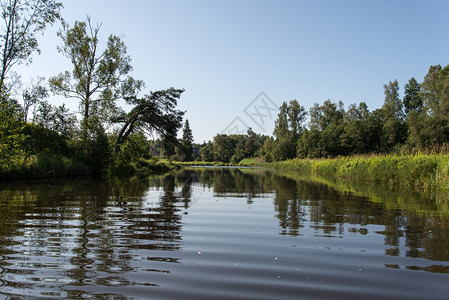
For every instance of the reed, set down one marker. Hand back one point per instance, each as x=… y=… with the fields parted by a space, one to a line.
x=419 y=170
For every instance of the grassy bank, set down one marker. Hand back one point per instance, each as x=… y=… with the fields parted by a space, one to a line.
x=48 y=165
x=44 y=165
x=417 y=171
x=202 y=163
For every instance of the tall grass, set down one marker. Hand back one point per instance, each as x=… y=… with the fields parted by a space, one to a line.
x=44 y=165
x=419 y=171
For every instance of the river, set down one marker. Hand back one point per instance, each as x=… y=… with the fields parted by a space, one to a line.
x=220 y=233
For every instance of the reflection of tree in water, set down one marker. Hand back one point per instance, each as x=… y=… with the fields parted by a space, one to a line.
x=328 y=212
x=92 y=233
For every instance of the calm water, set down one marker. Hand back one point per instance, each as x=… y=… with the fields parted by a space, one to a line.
x=219 y=234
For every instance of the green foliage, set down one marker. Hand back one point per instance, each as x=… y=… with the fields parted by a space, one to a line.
x=289 y=126
x=98 y=150
x=284 y=148
x=57 y=119
x=266 y=150
x=45 y=165
x=326 y=114
x=23 y=20
x=11 y=133
x=154 y=113
x=135 y=159
x=97 y=79
x=412 y=97
x=185 y=149
x=224 y=147
x=207 y=152
x=41 y=139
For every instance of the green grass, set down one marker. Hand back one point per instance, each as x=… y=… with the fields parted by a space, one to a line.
x=202 y=163
x=251 y=162
x=44 y=165
x=417 y=171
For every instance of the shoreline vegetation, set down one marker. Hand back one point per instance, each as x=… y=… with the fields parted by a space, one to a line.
x=421 y=175
x=420 y=172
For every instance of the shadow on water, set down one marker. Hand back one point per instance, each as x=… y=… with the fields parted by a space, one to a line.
x=83 y=238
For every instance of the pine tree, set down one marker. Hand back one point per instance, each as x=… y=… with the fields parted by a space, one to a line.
x=187 y=142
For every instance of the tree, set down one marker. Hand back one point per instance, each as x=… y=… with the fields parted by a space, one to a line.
x=394 y=131
x=430 y=126
x=97 y=79
x=281 y=123
x=168 y=145
x=266 y=150
x=154 y=113
x=326 y=114
x=307 y=145
x=33 y=95
x=435 y=90
x=187 y=142
x=11 y=131
x=412 y=98
x=393 y=105
x=22 y=21
x=57 y=119
x=252 y=143
x=289 y=125
x=207 y=152
x=355 y=136
x=224 y=147
x=296 y=117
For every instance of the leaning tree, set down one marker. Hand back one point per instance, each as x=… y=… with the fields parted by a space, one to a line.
x=154 y=113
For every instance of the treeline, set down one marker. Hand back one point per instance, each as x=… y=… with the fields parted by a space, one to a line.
x=38 y=139
x=419 y=120
x=223 y=148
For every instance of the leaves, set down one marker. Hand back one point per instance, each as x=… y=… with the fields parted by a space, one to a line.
x=98 y=79
x=22 y=21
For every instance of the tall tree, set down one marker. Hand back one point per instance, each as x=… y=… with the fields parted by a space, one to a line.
x=324 y=115
x=394 y=130
x=412 y=97
x=430 y=127
x=288 y=128
x=393 y=105
x=281 y=123
x=252 y=143
x=22 y=21
x=355 y=136
x=435 y=90
x=187 y=142
x=98 y=78
x=296 y=117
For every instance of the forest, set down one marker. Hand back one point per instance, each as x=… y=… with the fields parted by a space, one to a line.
x=38 y=139
x=417 y=121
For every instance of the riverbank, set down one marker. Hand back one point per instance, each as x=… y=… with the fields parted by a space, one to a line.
x=424 y=172
x=48 y=165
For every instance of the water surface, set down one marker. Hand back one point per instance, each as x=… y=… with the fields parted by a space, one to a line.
x=219 y=233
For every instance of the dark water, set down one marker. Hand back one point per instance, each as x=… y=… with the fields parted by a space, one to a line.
x=219 y=234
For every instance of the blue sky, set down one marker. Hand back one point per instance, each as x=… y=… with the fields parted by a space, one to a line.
x=225 y=53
